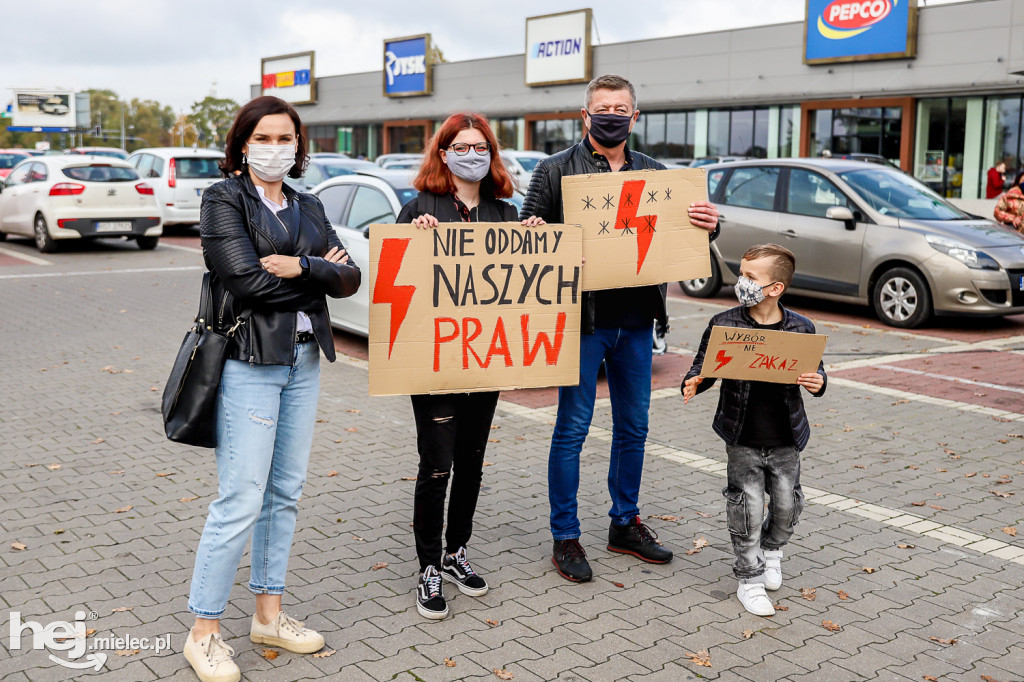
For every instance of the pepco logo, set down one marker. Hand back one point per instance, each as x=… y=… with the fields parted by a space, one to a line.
x=848 y=18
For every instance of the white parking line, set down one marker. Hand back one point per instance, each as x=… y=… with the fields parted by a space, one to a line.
x=958 y=380
x=35 y=260
x=127 y=271
x=179 y=247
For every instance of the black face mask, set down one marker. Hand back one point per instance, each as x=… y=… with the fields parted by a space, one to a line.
x=609 y=130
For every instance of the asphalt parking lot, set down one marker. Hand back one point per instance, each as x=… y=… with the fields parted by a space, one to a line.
x=908 y=549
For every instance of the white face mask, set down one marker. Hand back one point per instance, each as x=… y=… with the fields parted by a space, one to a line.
x=271 y=162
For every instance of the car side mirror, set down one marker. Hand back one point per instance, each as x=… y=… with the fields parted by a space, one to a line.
x=366 y=231
x=841 y=213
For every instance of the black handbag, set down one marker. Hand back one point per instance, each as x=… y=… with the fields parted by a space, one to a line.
x=190 y=397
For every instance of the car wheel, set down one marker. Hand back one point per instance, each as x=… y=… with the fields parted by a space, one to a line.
x=147 y=243
x=703 y=287
x=44 y=242
x=902 y=299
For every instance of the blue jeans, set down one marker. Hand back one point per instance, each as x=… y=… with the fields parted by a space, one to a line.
x=627 y=355
x=265 y=419
x=753 y=471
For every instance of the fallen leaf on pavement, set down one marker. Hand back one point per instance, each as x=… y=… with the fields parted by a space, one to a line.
x=379 y=565
x=938 y=507
x=99 y=440
x=269 y=654
x=165 y=474
x=989 y=678
x=332 y=473
x=323 y=421
x=971 y=475
x=618 y=584
x=868 y=569
x=842 y=595
x=918 y=504
x=408 y=478
x=664 y=517
x=859 y=466
x=1000 y=493
x=123 y=509
x=493 y=440
x=324 y=654
x=905 y=546
x=115 y=473
x=747 y=634
x=503 y=674
x=53 y=467
x=119 y=609
x=929 y=678
x=779 y=607
x=941 y=470
x=698 y=545
x=450 y=662
x=830 y=626
x=19 y=546
x=702 y=514
x=1011 y=531
x=59 y=531
x=943 y=641
x=488 y=464
x=702 y=657
x=351 y=429
x=808 y=593
x=492 y=623
x=189 y=499
x=358 y=539
x=127 y=652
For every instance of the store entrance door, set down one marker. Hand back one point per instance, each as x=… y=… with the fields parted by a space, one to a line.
x=407 y=137
x=881 y=128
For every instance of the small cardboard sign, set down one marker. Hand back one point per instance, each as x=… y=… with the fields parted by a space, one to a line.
x=636 y=229
x=474 y=307
x=761 y=354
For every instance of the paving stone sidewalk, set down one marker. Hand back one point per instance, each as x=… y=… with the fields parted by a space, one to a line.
x=110 y=514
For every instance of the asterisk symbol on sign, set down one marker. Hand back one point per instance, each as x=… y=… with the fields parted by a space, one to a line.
x=588 y=203
x=608 y=201
x=668 y=194
x=652 y=197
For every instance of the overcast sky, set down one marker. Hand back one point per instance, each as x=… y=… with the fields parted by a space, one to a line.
x=179 y=52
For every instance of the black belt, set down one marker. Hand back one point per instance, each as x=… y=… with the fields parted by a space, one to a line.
x=303 y=337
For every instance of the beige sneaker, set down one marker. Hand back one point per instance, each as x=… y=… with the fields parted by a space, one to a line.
x=211 y=659
x=287 y=633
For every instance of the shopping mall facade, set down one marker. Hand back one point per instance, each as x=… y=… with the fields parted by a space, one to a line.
x=945 y=107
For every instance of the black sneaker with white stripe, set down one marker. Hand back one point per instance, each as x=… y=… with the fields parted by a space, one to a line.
x=455 y=568
x=430 y=601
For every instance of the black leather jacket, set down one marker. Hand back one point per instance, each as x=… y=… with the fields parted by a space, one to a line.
x=734 y=394
x=237 y=230
x=544 y=199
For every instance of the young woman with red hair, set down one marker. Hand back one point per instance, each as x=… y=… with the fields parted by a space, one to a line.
x=462 y=179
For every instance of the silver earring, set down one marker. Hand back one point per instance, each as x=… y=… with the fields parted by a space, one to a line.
x=245 y=159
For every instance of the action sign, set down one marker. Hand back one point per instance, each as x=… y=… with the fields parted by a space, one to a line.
x=761 y=354
x=474 y=307
x=636 y=229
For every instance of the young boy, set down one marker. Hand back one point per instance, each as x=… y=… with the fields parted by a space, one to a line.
x=764 y=427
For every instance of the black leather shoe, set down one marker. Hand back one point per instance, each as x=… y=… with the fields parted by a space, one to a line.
x=638 y=540
x=571 y=561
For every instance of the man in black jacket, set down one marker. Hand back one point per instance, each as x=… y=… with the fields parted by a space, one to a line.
x=616 y=329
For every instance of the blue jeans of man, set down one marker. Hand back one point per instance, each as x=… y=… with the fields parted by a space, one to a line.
x=753 y=471
x=265 y=420
x=626 y=352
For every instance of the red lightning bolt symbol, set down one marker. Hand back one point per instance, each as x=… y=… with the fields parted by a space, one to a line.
x=722 y=359
x=629 y=202
x=392 y=251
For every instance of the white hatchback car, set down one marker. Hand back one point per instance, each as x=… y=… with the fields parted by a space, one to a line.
x=179 y=175
x=521 y=165
x=53 y=198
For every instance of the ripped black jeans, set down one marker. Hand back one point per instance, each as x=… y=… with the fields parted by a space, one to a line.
x=753 y=472
x=451 y=436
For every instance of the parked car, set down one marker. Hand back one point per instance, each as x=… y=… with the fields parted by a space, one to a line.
x=521 y=164
x=384 y=159
x=179 y=176
x=322 y=168
x=676 y=162
x=708 y=160
x=99 y=151
x=54 y=198
x=329 y=155
x=870 y=158
x=54 y=106
x=402 y=164
x=10 y=158
x=353 y=203
x=864 y=233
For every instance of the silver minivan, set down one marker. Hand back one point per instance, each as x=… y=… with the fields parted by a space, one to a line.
x=864 y=233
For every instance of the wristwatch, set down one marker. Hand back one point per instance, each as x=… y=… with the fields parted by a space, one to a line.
x=304 y=264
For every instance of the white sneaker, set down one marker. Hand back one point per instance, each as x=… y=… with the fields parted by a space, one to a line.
x=287 y=633
x=772 y=569
x=211 y=659
x=754 y=599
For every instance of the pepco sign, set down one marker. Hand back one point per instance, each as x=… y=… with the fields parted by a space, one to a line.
x=859 y=30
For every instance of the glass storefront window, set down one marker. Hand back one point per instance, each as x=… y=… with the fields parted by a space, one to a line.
x=718 y=133
x=322 y=138
x=870 y=130
x=679 y=134
x=939 y=152
x=1001 y=139
x=787 y=119
x=554 y=135
x=739 y=132
x=406 y=139
x=508 y=133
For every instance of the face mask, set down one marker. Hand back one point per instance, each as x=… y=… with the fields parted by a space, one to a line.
x=271 y=162
x=609 y=130
x=750 y=293
x=473 y=167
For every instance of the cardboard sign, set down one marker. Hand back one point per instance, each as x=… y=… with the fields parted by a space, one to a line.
x=636 y=230
x=474 y=307
x=761 y=354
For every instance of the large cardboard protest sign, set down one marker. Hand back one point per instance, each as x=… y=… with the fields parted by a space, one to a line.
x=473 y=307
x=636 y=229
x=761 y=354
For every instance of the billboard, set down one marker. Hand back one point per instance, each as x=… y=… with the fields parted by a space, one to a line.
x=43 y=109
x=290 y=77
x=859 y=30
x=408 y=67
x=558 y=48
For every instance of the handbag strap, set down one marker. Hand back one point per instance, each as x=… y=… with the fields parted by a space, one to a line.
x=206 y=307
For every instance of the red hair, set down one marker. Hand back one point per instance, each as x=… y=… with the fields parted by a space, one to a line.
x=434 y=175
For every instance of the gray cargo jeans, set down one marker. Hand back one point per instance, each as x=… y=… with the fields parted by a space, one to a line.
x=753 y=472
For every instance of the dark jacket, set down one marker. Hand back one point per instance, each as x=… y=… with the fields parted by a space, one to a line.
x=237 y=230
x=443 y=207
x=732 y=398
x=544 y=199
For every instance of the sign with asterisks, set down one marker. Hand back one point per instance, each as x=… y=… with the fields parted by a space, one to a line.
x=636 y=226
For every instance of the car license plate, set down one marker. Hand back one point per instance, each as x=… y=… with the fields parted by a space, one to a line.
x=114 y=226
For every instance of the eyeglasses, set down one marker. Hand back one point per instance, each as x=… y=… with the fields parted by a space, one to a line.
x=461 y=148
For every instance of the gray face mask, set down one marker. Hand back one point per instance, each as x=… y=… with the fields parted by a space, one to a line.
x=750 y=293
x=473 y=167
